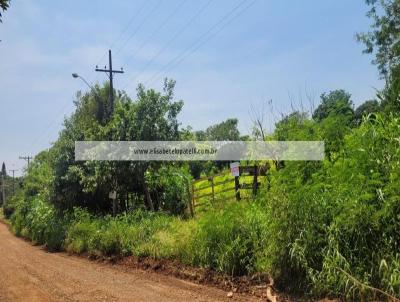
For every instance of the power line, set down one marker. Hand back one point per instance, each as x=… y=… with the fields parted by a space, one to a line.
x=110 y=71
x=177 y=34
x=133 y=33
x=133 y=18
x=126 y=27
x=60 y=113
x=40 y=137
x=50 y=125
x=186 y=53
x=179 y=6
x=94 y=78
x=155 y=7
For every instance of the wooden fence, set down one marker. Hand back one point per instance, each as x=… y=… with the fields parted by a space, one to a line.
x=217 y=187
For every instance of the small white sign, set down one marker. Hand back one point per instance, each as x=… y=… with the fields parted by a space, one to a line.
x=235 y=168
x=112 y=195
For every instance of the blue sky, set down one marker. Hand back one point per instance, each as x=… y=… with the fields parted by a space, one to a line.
x=280 y=50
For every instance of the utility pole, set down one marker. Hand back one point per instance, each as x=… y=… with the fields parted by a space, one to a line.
x=3 y=190
x=110 y=72
x=27 y=158
x=13 y=185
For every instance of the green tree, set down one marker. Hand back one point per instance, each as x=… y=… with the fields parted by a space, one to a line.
x=294 y=126
x=383 y=39
x=224 y=131
x=371 y=106
x=336 y=102
x=152 y=117
x=4 y=5
x=3 y=170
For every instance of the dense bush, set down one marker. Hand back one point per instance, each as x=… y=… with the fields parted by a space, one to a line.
x=317 y=228
x=8 y=210
x=170 y=187
x=232 y=240
x=135 y=233
x=343 y=217
x=40 y=222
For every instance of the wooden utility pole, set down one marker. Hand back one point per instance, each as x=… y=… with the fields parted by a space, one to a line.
x=3 y=190
x=13 y=185
x=110 y=72
x=27 y=158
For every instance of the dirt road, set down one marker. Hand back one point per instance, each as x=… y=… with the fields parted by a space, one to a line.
x=28 y=273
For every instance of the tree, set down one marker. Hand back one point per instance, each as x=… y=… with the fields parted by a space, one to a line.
x=258 y=117
x=336 y=102
x=4 y=4
x=371 y=106
x=3 y=170
x=295 y=126
x=152 y=117
x=383 y=40
x=224 y=131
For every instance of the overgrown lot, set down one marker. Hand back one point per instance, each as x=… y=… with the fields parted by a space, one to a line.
x=306 y=232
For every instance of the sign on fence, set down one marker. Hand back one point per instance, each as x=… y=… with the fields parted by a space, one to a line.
x=112 y=195
x=235 y=169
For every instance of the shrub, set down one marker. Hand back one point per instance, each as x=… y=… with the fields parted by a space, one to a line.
x=8 y=210
x=40 y=222
x=231 y=240
x=171 y=186
x=342 y=218
x=126 y=234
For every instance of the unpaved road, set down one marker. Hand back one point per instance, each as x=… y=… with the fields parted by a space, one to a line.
x=28 y=273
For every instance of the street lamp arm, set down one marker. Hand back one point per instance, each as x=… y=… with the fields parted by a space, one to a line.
x=75 y=75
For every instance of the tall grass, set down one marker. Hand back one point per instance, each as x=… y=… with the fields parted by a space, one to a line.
x=230 y=240
x=40 y=222
x=318 y=224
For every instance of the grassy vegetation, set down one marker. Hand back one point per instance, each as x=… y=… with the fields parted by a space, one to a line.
x=326 y=228
x=316 y=221
x=222 y=197
x=230 y=241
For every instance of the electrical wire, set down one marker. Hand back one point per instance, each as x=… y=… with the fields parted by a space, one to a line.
x=163 y=23
x=154 y=9
x=126 y=27
x=40 y=137
x=177 y=34
x=200 y=43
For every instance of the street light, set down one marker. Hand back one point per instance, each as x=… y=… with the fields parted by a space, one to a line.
x=75 y=76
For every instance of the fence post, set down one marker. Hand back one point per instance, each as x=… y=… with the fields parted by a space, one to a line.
x=192 y=205
x=237 y=188
x=212 y=190
x=255 y=180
